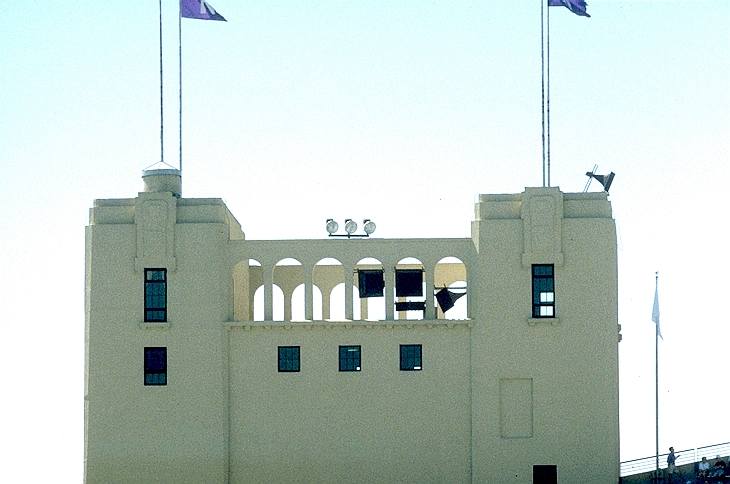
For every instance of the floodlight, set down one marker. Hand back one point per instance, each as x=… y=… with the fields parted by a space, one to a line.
x=332 y=226
x=350 y=226
x=368 y=226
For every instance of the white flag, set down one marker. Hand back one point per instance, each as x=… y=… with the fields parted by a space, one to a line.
x=655 y=310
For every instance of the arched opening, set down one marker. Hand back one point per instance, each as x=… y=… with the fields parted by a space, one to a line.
x=297 y=304
x=337 y=303
x=460 y=308
x=288 y=274
x=410 y=289
x=277 y=300
x=368 y=278
x=451 y=288
x=328 y=274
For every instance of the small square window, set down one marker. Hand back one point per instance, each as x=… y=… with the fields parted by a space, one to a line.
x=411 y=358
x=155 y=366
x=288 y=358
x=155 y=295
x=349 y=358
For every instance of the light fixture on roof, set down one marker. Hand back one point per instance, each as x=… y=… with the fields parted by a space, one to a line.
x=368 y=226
x=332 y=226
x=350 y=228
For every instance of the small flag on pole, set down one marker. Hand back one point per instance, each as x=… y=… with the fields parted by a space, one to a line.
x=655 y=310
x=578 y=7
x=199 y=9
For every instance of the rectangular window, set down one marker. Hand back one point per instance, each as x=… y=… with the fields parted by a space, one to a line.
x=349 y=358
x=288 y=358
x=155 y=366
x=543 y=291
x=155 y=295
x=410 y=358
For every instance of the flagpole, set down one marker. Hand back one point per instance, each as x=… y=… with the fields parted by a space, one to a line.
x=542 y=81
x=547 y=47
x=179 y=80
x=656 y=373
x=162 y=129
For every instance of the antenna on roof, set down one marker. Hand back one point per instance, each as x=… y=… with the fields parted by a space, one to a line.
x=590 y=178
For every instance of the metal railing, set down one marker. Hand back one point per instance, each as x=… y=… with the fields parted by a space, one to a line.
x=686 y=456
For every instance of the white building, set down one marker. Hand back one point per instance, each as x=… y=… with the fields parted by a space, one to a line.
x=198 y=371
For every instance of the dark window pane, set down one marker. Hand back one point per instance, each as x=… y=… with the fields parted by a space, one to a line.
x=155 y=366
x=155 y=379
x=543 y=291
x=349 y=358
x=288 y=358
x=155 y=295
x=410 y=358
x=542 y=270
x=155 y=274
x=155 y=316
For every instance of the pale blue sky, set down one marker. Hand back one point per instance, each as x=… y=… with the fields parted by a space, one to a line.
x=401 y=111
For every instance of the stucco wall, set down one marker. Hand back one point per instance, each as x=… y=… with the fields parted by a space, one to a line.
x=498 y=393
x=376 y=425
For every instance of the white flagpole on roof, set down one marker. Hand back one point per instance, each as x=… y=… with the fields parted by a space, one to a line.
x=657 y=334
x=547 y=90
x=162 y=116
x=545 y=84
x=542 y=81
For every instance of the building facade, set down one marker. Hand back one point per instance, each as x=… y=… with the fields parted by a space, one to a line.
x=212 y=358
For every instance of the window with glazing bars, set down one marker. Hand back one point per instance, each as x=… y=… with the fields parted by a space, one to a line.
x=543 y=291
x=349 y=358
x=411 y=358
x=155 y=366
x=288 y=358
x=155 y=295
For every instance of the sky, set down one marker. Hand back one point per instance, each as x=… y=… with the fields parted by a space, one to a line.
x=399 y=111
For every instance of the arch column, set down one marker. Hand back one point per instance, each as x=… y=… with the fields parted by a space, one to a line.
x=428 y=276
x=267 y=273
x=287 y=302
x=389 y=276
x=349 y=276
x=308 y=293
x=326 y=300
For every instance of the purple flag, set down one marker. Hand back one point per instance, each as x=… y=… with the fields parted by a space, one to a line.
x=578 y=7
x=199 y=9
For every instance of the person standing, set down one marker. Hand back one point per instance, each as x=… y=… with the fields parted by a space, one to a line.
x=671 y=467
